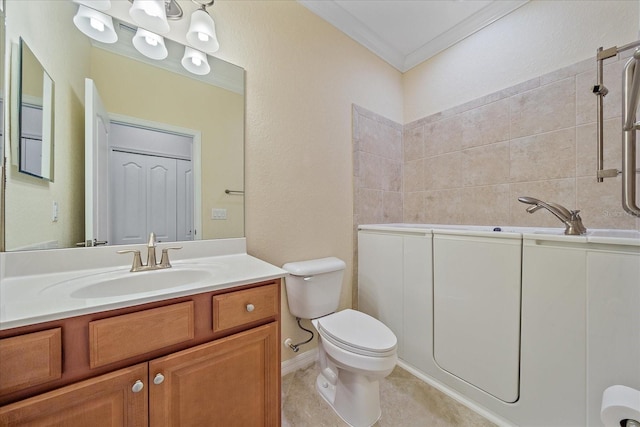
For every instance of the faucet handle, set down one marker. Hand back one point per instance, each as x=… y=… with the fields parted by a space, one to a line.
x=137 y=259
x=164 y=261
x=152 y=240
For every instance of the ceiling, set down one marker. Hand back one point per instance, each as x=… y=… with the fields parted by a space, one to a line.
x=407 y=32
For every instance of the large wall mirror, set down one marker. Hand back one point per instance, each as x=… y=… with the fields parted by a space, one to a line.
x=159 y=117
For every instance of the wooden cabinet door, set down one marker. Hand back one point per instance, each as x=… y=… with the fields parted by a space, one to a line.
x=234 y=381
x=107 y=400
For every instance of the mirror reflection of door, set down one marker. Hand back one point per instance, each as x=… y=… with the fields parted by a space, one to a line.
x=139 y=180
x=96 y=153
x=151 y=185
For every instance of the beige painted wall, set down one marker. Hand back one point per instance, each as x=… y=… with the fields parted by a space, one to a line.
x=29 y=200
x=303 y=76
x=538 y=38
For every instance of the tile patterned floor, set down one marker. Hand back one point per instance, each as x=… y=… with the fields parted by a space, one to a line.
x=406 y=402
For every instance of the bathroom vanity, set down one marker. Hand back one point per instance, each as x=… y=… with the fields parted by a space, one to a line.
x=526 y=326
x=205 y=352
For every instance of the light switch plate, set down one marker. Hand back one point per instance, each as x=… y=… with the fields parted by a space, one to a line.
x=218 y=213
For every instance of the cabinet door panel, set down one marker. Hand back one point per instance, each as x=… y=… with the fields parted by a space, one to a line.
x=234 y=381
x=30 y=359
x=107 y=400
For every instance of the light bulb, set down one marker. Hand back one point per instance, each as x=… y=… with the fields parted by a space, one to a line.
x=96 y=24
x=196 y=61
x=151 y=41
x=203 y=37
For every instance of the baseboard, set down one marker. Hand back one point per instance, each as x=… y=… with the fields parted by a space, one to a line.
x=483 y=412
x=301 y=361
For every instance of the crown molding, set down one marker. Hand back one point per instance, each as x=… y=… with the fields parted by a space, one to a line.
x=332 y=12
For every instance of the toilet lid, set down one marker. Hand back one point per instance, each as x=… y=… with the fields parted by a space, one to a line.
x=358 y=332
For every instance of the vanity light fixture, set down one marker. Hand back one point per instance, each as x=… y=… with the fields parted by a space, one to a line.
x=150 y=14
x=95 y=24
x=202 y=30
x=152 y=17
x=195 y=61
x=150 y=44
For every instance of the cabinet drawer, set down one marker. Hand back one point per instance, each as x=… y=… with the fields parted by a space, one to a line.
x=30 y=359
x=118 y=338
x=240 y=307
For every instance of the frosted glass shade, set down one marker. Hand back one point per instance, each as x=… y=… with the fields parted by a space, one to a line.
x=95 y=24
x=202 y=32
x=95 y=4
x=195 y=62
x=150 y=44
x=150 y=14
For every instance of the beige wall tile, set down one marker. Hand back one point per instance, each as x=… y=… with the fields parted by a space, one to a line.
x=485 y=205
x=413 y=140
x=545 y=156
x=413 y=209
x=443 y=207
x=413 y=176
x=369 y=206
x=443 y=171
x=391 y=207
x=443 y=136
x=390 y=175
x=485 y=165
x=379 y=138
x=369 y=167
x=547 y=108
x=469 y=164
x=485 y=125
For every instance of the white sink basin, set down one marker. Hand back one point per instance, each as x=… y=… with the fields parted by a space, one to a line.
x=122 y=283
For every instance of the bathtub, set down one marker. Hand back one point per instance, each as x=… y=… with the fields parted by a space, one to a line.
x=514 y=322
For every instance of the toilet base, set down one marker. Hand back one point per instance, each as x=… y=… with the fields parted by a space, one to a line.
x=354 y=398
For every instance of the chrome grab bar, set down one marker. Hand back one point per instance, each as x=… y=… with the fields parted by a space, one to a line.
x=630 y=101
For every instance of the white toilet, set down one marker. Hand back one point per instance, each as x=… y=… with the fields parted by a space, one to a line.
x=355 y=350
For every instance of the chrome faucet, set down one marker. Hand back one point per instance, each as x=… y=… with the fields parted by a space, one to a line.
x=151 y=256
x=571 y=219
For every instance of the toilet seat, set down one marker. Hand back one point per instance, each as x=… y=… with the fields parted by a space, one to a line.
x=358 y=333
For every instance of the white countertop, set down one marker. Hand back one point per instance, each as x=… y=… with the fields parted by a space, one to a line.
x=48 y=295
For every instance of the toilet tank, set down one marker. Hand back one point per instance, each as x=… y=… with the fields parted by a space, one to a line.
x=314 y=286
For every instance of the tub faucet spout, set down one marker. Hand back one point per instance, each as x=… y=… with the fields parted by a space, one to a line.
x=570 y=218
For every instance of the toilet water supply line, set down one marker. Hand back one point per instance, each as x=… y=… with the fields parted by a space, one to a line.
x=296 y=347
x=630 y=100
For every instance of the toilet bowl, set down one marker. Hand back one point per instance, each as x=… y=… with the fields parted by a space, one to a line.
x=355 y=350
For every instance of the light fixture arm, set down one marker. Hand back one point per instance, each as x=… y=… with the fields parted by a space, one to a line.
x=203 y=4
x=172 y=8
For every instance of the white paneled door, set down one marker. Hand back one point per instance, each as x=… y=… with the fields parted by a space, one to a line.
x=145 y=198
x=97 y=129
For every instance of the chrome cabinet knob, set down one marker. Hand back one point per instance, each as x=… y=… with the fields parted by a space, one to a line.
x=158 y=379
x=250 y=307
x=137 y=386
